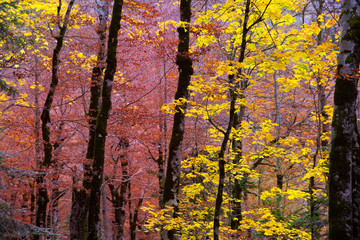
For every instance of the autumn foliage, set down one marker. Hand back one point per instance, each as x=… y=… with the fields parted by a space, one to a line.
x=255 y=147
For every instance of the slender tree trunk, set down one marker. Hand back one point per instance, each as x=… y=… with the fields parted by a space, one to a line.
x=160 y=162
x=133 y=220
x=184 y=63
x=37 y=131
x=238 y=187
x=42 y=194
x=101 y=124
x=279 y=174
x=105 y=212
x=233 y=98
x=119 y=201
x=219 y=196
x=56 y=194
x=119 y=197
x=321 y=144
x=344 y=180
x=79 y=208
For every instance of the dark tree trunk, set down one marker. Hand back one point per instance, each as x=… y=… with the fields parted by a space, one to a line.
x=78 y=214
x=42 y=193
x=238 y=186
x=184 y=63
x=94 y=222
x=118 y=198
x=160 y=175
x=344 y=173
x=133 y=220
x=79 y=208
x=56 y=194
x=232 y=116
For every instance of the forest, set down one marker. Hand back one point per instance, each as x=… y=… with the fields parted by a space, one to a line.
x=179 y=119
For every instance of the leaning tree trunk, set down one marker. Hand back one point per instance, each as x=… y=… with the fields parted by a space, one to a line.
x=42 y=193
x=344 y=173
x=184 y=63
x=94 y=221
x=79 y=204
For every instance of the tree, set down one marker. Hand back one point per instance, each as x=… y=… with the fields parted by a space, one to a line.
x=184 y=62
x=255 y=114
x=344 y=175
x=80 y=197
x=94 y=221
x=42 y=194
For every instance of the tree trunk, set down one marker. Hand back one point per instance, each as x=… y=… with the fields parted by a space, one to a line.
x=278 y=171
x=238 y=187
x=42 y=193
x=94 y=221
x=79 y=208
x=37 y=131
x=233 y=98
x=134 y=218
x=184 y=63
x=118 y=199
x=315 y=224
x=344 y=169
x=105 y=212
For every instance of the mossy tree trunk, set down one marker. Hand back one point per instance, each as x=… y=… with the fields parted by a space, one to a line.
x=184 y=62
x=344 y=173
x=94 y=221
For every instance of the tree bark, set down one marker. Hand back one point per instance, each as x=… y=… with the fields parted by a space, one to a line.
x=79 y=208
x=344 y=180
x=94 y=221
x=184 y=63
x=42 y=194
